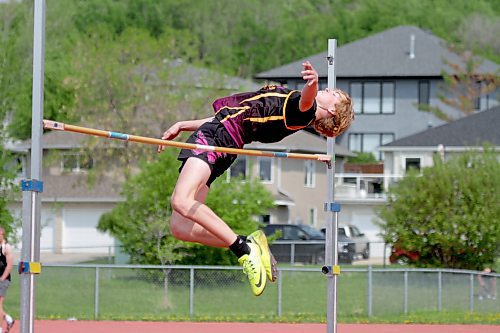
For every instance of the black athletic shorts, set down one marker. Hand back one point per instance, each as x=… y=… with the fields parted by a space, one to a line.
x=212 y=134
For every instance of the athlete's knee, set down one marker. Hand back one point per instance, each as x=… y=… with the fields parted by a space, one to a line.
x=181 y=204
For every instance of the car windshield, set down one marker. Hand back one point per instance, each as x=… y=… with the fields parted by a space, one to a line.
x=313 y=232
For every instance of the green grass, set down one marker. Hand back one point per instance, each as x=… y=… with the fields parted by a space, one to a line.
x=131 y=294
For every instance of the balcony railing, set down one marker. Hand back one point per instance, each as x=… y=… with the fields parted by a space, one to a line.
x=363 y=185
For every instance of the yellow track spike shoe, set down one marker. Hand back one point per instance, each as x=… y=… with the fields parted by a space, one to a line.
x=270 y=264
x=253 y=268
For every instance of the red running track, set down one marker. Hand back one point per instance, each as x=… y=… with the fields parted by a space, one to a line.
x=66 y=326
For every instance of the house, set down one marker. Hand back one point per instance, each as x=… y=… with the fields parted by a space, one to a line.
x=70 y=208
x=388 y=75
x=418 y=150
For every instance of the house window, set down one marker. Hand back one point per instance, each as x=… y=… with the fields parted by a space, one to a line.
x=477 y=92
x=412 y=163
x=487 y=106
x=238 y=168
x=424 y=92
x=373 y=97
x=265 y=169
x=312 y=216
x=369 y=142
x=265 y=219
x=75 y=162
x=356 y=92
x=309 y=173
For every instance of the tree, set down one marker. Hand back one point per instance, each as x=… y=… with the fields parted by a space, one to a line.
x=140 y=223
x=7 y=190
x=466 y=84
x=16 y=65
x=119 y=87
x=450 y=214
x=134 y=83
x=478 y=32
x=463 y=86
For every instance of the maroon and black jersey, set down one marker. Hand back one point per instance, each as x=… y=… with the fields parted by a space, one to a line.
x=267 y=115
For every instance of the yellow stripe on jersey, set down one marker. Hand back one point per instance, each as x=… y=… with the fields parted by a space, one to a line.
x=263 y=96
x=264 y=119
x=242 y=109
x=233 y=108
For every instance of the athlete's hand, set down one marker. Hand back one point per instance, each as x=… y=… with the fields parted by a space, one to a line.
x=309 y=74
x=324 y=158
x=169 y=134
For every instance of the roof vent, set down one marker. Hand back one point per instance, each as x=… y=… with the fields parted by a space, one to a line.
x=412 y=46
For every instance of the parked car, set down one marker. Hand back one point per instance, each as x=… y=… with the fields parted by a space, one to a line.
x=358 y=241
x=303 y=243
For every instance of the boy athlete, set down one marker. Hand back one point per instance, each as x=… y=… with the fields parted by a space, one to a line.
x=267 y=115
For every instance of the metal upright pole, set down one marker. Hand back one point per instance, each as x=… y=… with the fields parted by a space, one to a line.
x=33 y=187
x=331 y=268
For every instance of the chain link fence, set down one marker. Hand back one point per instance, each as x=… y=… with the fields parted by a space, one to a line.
x=132 y=292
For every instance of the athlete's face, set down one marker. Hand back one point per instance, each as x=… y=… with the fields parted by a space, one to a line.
x=326 y=101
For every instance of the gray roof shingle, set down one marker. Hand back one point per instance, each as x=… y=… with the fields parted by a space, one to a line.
x=385 y=54
x=473 y=130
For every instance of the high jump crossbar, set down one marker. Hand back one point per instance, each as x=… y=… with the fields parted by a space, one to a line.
x=55 y=125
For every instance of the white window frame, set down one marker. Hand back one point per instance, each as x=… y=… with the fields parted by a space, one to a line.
x=406 y=157
x=245 y=174
x=309 y=174
x=271 y=170
x=78 y=158
x=361 y=137
x=386 y=104
x=312 y=216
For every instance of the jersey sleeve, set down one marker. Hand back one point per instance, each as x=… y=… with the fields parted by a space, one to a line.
x=293 y=117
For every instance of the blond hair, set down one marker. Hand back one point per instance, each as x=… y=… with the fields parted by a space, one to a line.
x=336 y=125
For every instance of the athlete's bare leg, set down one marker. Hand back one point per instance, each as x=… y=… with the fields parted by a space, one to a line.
x=192 y=220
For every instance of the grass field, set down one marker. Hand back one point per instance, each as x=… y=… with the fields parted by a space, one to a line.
x=135 y=294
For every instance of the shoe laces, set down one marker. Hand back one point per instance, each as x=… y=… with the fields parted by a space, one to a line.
x=249 y=268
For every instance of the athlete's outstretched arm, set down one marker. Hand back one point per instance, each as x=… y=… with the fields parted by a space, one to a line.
x=310 y=88
x=182 y=126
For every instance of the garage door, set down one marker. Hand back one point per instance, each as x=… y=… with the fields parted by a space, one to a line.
x=80 y=234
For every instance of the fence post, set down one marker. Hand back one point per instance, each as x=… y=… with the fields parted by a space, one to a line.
x=406 y=292
x=471 y=293
x=370 y=285
x=96 y=294
x=191 y=292
x=440 y=291
x=280 y=295
x=110 y=261
x=292 y=253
